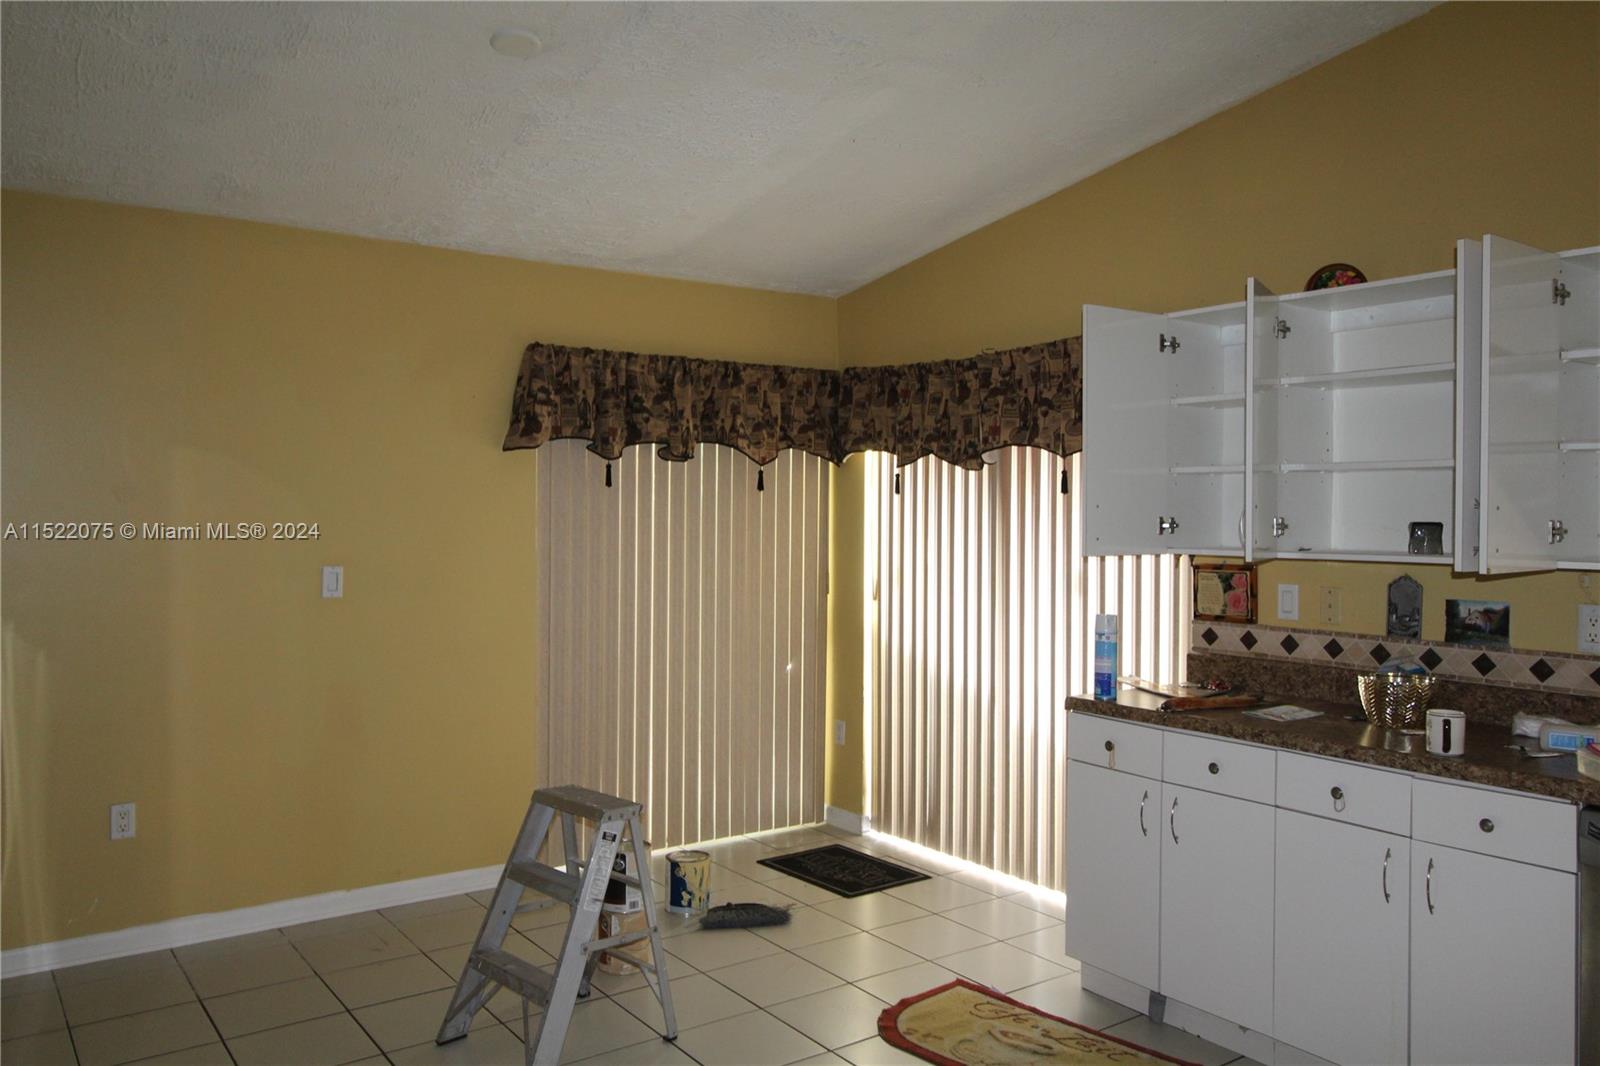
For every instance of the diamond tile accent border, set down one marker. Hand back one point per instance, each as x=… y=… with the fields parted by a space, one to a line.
x=1517 y=668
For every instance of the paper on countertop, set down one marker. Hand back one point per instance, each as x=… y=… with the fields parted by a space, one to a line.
x=1529 y=725
x=1284 y=712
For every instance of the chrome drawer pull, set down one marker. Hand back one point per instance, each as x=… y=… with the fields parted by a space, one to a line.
x=1386 y=853
x=1427 y=886
x=1486 y=825
x=1172 y=819
x=1213 y=768
x=1338 y=800
x=1142 y=830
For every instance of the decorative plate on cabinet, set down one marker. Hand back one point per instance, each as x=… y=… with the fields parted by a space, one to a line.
x=1334 y=275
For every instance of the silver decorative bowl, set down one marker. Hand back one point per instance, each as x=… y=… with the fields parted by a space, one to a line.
x=1396 y=701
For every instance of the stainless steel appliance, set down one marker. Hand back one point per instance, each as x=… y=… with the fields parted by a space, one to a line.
x=1589 y=935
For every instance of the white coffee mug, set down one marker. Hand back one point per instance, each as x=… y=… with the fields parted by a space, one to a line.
x=1447 y=732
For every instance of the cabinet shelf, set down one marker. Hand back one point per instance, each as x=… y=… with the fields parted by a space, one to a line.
x=1581 y=355
x=1580 y=445
x=1420 y=373
x=1360 y=555
x=1226 y=468
x=1221 y=399
x=1367 y=466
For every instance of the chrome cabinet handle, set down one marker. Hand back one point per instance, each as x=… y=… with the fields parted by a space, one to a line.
x=1486 y=825
x=1427 y=886
x=1214 y=768
x=1111 y=745
x=1386 y=853
x=1172 y=819
x=1338 y=798
x=1142 y=830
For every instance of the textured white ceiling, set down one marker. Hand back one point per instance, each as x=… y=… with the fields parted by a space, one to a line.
x=803 y=147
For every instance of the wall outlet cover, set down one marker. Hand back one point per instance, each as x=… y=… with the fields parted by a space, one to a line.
x=1589 y=628
x=124 y=822
x=1289 y=602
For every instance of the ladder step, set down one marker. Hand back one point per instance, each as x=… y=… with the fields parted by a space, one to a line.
x=519 y=975
x=586 y=803
x=627 y=879
x=620 y=941
x=557 y=884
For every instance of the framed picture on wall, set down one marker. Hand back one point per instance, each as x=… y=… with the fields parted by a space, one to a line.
x=1225 y=592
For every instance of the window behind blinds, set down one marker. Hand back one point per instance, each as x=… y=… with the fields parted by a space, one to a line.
x=981 y=625
x=683 y=627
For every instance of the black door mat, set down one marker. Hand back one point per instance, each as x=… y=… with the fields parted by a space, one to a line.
x=843 y=870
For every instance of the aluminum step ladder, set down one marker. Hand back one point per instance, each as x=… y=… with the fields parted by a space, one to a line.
x=582 y=885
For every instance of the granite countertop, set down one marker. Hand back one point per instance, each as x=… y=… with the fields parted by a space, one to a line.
x=1488 y=759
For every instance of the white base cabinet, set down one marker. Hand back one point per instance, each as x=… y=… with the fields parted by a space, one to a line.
x=1216 y=905
x=1341 y=945
x=1114 y=871
x=1318 y=917
x=1492 y=960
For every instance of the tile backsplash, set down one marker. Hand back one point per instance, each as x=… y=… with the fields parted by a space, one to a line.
x=1543 y=671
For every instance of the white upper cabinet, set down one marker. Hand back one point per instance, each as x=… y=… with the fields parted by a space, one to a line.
x=1166 y=431
x=1355 y=417
x=1539 y=424
x=1469 y=403
x=1451 y=417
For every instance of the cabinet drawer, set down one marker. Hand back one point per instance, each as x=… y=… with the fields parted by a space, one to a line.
x=1125 y=746
x=1213 y=765
x=1345 y=792
x=1524 y=828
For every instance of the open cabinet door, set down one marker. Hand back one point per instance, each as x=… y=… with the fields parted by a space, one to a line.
x=1127 y=394
x=1261 y=451
x=1521 y=373
x=1469 y=405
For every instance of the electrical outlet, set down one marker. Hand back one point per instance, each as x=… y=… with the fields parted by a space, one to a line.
x=1332 y=605
x=1589 y=627
x=123 y=822
x=1288 y=603
x=838 y=732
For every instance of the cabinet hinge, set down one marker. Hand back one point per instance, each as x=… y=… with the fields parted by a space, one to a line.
x=1169 y=344
x=1558 y=292
x=1280 y=328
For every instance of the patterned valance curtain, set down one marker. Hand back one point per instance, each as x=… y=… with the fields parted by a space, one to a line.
x=958 y=409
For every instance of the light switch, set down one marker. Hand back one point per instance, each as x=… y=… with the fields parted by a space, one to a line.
x=1288 y=602
x=333 y=582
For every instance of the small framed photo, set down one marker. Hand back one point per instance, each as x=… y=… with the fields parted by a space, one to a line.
x=1484 y=623
x=1225 y=592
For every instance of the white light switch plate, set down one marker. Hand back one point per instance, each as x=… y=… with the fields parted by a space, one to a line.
x=333 y=582
x=1289 y=602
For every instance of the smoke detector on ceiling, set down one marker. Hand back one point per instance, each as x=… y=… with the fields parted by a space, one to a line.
x=519 y=44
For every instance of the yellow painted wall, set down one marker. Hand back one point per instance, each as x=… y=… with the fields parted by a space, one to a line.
x=1473 y=119
x=176 y=368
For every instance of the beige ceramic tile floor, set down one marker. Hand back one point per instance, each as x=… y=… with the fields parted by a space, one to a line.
x=371 y=988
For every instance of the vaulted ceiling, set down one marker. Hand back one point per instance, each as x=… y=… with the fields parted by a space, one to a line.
x=793 y=146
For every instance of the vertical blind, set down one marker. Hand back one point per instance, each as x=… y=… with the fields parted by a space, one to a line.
x=683 y=630
x=980 y=625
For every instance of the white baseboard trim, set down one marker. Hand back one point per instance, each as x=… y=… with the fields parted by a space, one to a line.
x=849 y=821
x=195 y=928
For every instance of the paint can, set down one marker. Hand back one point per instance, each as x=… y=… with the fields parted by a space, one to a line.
x=688 y=882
